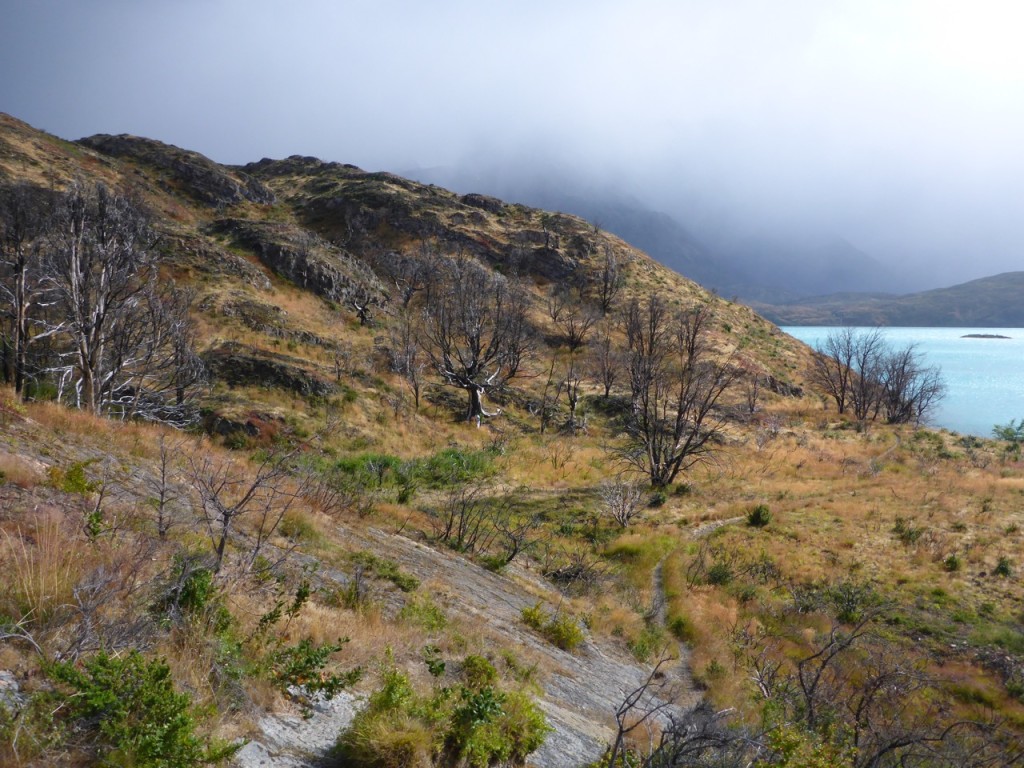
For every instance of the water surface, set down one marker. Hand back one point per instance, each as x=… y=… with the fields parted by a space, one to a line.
x=985 y=377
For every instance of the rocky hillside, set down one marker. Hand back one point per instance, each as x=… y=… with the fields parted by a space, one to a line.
x=332 y=565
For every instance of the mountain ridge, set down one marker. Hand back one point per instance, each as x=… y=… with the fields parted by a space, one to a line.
x=987 y=302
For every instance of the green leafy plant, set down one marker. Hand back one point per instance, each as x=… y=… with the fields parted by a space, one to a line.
x=1003 y=567
x=477 y=724
x=560 y=629
x=1012 y=432
x=759 y=516
x=423 y=612
x=127 y=711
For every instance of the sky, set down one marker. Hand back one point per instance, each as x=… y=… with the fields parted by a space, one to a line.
x=895 y=124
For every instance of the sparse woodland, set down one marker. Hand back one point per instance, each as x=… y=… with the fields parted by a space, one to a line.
x=288 y=434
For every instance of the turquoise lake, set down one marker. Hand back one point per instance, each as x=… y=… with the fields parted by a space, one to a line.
x=984 y=377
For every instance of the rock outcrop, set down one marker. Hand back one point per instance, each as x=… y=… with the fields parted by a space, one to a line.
x=306 y=260
x=185 y=172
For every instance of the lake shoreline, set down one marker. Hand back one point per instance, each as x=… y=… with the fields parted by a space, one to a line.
x=983 y=380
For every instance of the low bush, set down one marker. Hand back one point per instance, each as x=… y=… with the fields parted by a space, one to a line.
x=560 y=629
x=759 y=516
x=477 y=724
x=422 y=611
x=126 y=711
x=1003 y=568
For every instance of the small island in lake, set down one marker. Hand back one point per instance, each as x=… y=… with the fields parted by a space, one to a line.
x=984 y=336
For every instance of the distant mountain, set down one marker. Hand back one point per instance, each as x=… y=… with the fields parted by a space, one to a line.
x=990 y=302
x=769 y=269
x=776 y=270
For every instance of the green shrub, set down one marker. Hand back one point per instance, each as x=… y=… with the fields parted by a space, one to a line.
x=951 y=563
x=534 y=617
x=681 y=629
x=560 y=629
x=387 y=570
x=759 y=516
x=849 y=599
x=303 y=664
x=73 y=479
x=127 y=711
x=906 y=531
x=192 y=594
x=648 y=643
x=476 y=725
x=564 y=632
x=720 y=574
x=1003 y=567
x=422 y=611
x=453 y=466
x=478 y=671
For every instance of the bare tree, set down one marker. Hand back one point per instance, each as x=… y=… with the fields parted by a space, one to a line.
x=549 y=395
x=167 y=496
x=608 y=281
x=852 y=683
x=572 y=384
x=676 y=383
x=575 y=324
x=229 y=490
x=124 y=335
x=101 y=263
x=832 y=365
x=410 y=273
x=869 y=349
x=464 y=519
x=23 y=220
x=861 y=372
x=910 y=389
x=405 y=354
x=752 y=391
x=622 y=501
x=606 y=361
x=476 y=334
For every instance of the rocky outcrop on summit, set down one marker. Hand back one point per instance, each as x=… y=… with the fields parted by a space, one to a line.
x=185 y=172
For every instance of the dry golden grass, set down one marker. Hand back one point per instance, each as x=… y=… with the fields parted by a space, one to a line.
x=19 y=471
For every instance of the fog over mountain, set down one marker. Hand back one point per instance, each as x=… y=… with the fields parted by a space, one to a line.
x=891 y=128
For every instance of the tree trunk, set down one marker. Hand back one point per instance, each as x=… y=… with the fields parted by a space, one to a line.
x=476 y=406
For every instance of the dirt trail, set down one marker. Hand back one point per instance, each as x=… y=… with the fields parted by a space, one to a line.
x=705 y=528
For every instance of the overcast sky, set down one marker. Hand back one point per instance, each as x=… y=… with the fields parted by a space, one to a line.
x=896 y=124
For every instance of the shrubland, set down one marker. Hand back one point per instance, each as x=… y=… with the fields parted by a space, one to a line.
x=361 y=360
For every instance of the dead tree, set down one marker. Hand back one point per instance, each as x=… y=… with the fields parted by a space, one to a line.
x=608 y=282
x=230 y=491
x=622 y=501
x=572 y=385
x=575 y=323
x=606 y=362
x=101 y=263
x=125 y=338
x=23 y=221
x=406 y=356
x=476 y=333
x=676 y=384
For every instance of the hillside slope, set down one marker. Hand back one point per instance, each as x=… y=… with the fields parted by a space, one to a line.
x=334 y=555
